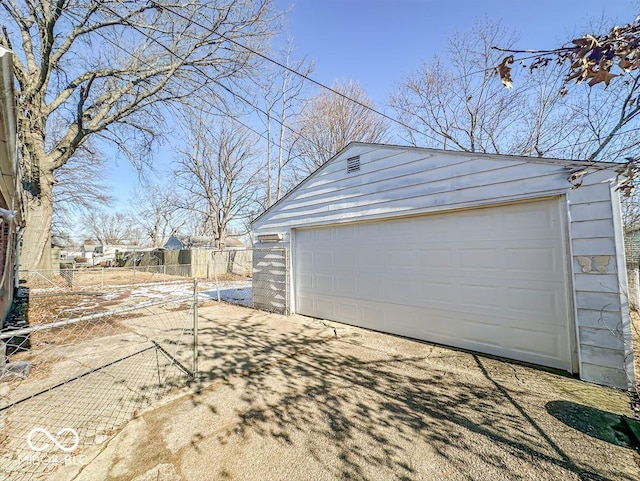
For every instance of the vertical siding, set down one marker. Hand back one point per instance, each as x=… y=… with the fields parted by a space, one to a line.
x=396 y=182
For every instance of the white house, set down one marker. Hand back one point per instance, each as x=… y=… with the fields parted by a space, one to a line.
x=491 y=253
x=11 y=194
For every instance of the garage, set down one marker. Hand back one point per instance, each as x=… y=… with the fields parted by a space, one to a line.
x=491 y=280
x=496 y=254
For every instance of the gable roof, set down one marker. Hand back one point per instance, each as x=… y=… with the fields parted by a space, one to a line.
x=173 y=243
x=574 y=164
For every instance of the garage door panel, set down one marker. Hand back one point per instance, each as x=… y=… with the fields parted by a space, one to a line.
x=305 y=303
x=400 y=257
x=322 y=236
x=481 y=225
x=370 y=287
x=539 y=258
x=347 y=311
x=534 y=301
x=324 y=283
x=370 y=257
x=481 y=333
x=305 y=281
x=491 y=280
x=478 y=258
x=323 y=258
x=347 y=283
x=443 y=292
x=540 y=350
x=344 y=259
x=435 y=258
x=346 y=234
x=474 y=295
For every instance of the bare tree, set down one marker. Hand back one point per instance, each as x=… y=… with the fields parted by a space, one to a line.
x=281 y=92
x=88 y=69
x=459 y=105
x=109 y=228
x=219 y=173
x=78 y=189
x=597 y=59
x=158 y=213
x=330 y=121
x=456 y=103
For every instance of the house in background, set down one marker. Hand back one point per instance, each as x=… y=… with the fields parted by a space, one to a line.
x=173 y=244
x=201 y=242
x=632 y=245
x=499 y=255
x=11 y=199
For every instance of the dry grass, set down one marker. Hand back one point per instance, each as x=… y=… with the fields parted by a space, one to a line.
x=87 y=278
x=116 y=277
x=51 y=308
x=43 y=310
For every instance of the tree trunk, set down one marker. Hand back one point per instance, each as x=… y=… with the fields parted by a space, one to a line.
x=36 y=241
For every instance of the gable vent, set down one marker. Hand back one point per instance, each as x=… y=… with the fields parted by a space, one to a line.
x=353 y=164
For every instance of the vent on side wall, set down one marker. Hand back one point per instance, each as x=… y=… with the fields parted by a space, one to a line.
x=271 y=237
x=353 y=164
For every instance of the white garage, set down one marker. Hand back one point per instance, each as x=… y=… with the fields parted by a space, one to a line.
x=491 y=280
x=493 y=254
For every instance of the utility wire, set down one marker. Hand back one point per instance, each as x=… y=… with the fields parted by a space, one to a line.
x=291 y=70
x=207 y=76
x=269 y=59
x=197 y=95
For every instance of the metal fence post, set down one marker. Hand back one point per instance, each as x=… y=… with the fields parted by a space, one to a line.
x=635 y=295
x=215 y=273
x=195 y=329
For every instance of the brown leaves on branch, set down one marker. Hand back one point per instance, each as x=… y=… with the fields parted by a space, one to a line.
x=592 y=58
x=626 y=176
x=504 y=71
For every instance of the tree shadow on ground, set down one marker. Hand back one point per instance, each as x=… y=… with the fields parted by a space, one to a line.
x=362 y=412
x=603 y=425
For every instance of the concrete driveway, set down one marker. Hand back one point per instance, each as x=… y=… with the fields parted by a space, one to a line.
x=284 y=398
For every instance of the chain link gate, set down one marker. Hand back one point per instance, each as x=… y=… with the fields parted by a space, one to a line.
x=74 y=378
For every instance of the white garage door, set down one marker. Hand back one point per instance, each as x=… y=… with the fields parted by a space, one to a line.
x=490 y=280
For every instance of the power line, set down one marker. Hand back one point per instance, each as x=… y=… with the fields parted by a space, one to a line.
x=202 y=110
x=207 y=76
x=291 y=70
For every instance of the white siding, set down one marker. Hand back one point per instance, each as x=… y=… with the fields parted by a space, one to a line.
x=396 y=181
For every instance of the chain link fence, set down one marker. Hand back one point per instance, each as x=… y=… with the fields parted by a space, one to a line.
x=89 y=348
x=87 y=277
x=633 y=282
x=82 y=364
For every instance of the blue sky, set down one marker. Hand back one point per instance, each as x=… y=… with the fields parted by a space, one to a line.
x=378 y=42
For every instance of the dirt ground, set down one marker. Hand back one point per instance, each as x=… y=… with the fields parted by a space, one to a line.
x=97 y=278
